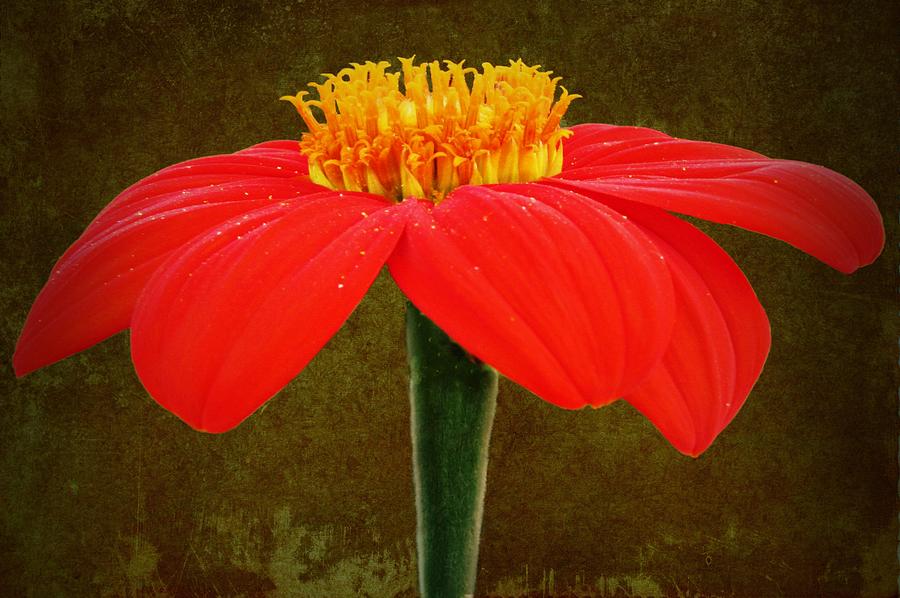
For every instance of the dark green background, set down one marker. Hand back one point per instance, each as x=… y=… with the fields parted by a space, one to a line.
x=104 y=493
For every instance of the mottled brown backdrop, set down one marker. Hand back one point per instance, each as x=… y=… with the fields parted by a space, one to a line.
x=103 y=493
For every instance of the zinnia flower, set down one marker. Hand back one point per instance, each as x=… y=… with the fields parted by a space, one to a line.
x=547 y=252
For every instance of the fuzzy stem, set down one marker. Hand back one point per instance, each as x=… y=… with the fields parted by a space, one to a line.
x=453 y=397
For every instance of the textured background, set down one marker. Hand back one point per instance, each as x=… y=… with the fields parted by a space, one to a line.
x=104 y=493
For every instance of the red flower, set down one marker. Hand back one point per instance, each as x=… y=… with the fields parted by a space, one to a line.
x=232 y=271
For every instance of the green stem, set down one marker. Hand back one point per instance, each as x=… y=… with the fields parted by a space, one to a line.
x=453 y=397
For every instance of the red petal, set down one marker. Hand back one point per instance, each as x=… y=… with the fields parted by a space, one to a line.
x=269 y=161
x=815 y=209
x=93 y=287
x=278 y=145
x=228 y=321
x=720 y=340
x=594 y=136
x=564 y=296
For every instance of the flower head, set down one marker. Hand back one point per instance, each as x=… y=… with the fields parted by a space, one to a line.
x=435 y=132
x=548 y=253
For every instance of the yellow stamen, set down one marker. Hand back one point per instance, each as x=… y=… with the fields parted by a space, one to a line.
x=438 y=128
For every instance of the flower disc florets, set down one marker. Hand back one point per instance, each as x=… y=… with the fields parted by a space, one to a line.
x=425 y=130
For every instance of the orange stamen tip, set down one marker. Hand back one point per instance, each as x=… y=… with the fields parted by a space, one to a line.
x=428 y=128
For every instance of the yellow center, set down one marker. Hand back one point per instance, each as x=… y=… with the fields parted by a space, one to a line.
x=436 y=129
